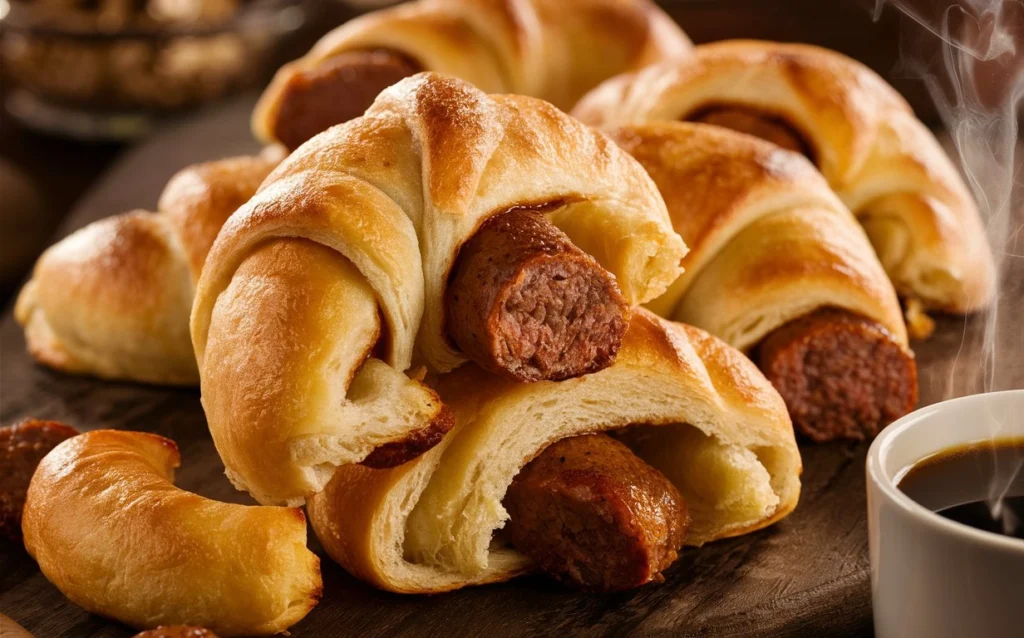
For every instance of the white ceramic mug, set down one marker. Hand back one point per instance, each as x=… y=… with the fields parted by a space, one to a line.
x=931 y=576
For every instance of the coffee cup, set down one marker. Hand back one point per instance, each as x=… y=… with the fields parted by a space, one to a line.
x=931 y=576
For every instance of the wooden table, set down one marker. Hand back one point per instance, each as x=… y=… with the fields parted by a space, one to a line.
x=807 y=575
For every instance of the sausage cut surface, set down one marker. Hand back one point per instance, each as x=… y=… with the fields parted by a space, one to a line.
x=526 y=303
x=842 y=376
x=595 y=516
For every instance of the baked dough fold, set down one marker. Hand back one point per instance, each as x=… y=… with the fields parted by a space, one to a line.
x=876 y=155
x=692 y=407
x=328 y=285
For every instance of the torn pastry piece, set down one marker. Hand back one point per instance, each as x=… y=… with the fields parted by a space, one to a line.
x=111 y=531
x=699 y=434
x=864 y=138
x=780 y=269
x=540 y=48
x=112 y=299
x=446 y=223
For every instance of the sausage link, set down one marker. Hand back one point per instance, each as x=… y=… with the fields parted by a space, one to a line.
x=842 y=376
x=595 y=516
x=766 y=127
x=526 y=303
x=22 y=446
x=337 y=90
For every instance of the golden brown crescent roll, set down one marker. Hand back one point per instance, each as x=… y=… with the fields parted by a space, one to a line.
x=692 y=407
x=884 y=164
x=552 y=49
x=113 y=298
x=111 y=531
x=320 y=290
x=771 y=248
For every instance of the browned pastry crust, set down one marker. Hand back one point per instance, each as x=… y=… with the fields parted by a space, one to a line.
x=692 y=408
x=107 y=526
x=526 y=303
x=113 y=298
x=321 y=290
x=22 y=446
x=595 y=516
x=770 y=245
x=555 y=50
x=842 y=376
x=884 y=164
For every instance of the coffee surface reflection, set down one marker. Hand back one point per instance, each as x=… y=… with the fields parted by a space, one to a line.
x=980 y=485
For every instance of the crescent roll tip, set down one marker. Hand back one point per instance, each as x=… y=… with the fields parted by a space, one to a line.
x=109 y=529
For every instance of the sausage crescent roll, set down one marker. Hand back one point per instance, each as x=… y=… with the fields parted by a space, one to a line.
x=880 y=159
x=111 y=531
x=556 y=50
x=113 y=299
x=779 y=268
x=320 y=291
x=702 y=449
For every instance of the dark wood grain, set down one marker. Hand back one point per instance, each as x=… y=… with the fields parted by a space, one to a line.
x=808 y=575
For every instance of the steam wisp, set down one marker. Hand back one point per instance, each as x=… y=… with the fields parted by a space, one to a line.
x=970 y=56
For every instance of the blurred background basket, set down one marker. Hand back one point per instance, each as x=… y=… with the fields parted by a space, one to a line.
x=107 y=68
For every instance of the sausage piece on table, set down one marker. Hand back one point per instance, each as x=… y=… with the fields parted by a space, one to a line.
x=337 y=90
x=593 y=515
x=22 y=446
x=841 y=375
x=526 y=303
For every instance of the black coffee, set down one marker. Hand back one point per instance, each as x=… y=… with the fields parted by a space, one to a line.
x=980 y=485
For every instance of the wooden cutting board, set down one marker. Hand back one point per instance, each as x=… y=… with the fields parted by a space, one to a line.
x=807 y=575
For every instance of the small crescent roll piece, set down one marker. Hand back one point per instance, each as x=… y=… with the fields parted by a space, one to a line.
x=540 y=48
x=876 y=155
x=691 y=407
x=772 y=245
x=110 y=530
x=113 y=299
x=320 y=290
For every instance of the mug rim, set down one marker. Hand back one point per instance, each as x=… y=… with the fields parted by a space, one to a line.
x=878 y=452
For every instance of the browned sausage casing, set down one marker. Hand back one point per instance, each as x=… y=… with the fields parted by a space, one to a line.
x=593 y=515
x=761 y=125
x=842 y=376
x=526 y=303
x=337 y=90
x=22 y=446
x=399 y=452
